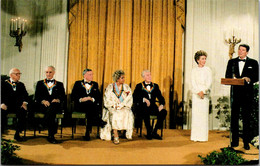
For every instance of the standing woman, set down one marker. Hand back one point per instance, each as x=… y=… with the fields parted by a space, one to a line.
x=117 y=111
x=201 y=79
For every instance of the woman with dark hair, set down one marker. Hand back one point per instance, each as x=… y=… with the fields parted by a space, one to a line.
x=117 y=112
x=201 y=79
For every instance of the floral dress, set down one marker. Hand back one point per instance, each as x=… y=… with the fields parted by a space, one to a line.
x=117 y=111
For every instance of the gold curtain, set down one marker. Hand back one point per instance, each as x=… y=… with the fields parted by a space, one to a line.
x=132 y=35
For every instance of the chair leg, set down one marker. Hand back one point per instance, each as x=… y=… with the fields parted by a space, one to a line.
x=61 y=128
x=98 y=136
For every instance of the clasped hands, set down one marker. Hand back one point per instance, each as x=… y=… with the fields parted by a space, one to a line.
x=148 y=103
x=84 y=99
x=47 y=103
x=201 y=94
x=24 y=106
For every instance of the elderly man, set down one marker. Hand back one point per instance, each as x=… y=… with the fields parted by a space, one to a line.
x=14 y=99
x=50 y=95
x=145 y=95
x=87 y=99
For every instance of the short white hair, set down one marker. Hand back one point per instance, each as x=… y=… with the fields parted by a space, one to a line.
x=12 y=70
x=53 y=68
x=145 y=71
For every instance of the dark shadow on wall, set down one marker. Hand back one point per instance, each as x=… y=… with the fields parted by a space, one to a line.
x=35 y=11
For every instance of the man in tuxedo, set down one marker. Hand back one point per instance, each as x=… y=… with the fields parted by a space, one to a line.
x=87 y=99
x=145 y=95
x=50 y=96
x=14 y=99
x=242 y=96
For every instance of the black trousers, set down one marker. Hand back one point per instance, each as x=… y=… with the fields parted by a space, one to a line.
x=50 y=117
x=91 y=111
x=152 y=110
x=20 y=115
x=241 y=107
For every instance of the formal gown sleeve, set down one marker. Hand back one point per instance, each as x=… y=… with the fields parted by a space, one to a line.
x=109 y=100
x=194 y=84
x=127 y=96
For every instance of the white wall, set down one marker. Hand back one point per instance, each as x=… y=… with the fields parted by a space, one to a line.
x=46 y=41
x=208 y=22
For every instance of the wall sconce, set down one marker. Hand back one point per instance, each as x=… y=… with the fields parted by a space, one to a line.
x=232 y=43
x=18 y=29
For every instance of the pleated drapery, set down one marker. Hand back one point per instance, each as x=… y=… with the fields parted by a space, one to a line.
x=132 y=35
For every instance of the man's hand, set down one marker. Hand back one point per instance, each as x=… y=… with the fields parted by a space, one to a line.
x=3 y=106
x=84 y=99
x=45 y=103
x=55 y=101
x=247 y=79
x=24 y=106
x=147 y=102
x=160 y=107
x=201 y=94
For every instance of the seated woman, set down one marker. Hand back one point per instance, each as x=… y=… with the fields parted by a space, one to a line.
x=117 y=111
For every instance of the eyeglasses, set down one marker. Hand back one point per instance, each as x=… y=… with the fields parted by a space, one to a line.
x=17 y=74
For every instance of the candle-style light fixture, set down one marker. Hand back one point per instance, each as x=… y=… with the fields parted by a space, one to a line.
x=18 y=28
x=232 y=43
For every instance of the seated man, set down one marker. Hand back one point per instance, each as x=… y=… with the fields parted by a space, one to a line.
x=14 y=100
x=145 y=95
x=49 y=96
x=87 y=99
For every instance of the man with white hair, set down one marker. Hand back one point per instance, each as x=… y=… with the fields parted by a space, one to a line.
x=50 y=96
x=14 y=99
x=145 y=95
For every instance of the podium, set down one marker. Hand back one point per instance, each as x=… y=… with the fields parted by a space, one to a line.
x=232 y=81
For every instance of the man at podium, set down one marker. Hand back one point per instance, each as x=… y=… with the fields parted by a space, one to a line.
x=242 y=95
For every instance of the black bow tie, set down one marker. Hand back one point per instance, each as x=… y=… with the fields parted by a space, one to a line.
x=243 y=60
x=148 y=85
x=87 y=83
x=48 y=81
x=14 y=82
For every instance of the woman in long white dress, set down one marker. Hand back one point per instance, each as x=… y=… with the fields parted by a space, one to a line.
x=117 y=111
x=201 y=79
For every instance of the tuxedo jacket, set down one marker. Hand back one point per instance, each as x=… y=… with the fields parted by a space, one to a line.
x=250 y=70
x=141 y=92
x=79 y=91
x=42 y=92
x=13 y=99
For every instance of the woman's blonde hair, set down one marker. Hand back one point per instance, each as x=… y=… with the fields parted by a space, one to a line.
x=117 y=74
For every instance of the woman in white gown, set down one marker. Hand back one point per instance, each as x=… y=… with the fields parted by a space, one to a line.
x=201 y=79
x=117 y=111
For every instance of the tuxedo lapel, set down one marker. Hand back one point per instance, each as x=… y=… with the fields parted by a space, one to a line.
x=245 y=66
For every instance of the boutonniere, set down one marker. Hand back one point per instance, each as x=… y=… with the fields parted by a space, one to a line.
x=127 y=92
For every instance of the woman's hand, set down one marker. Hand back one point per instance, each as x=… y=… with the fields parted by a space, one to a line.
x=201 y=95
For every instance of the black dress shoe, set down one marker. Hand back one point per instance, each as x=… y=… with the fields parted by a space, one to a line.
x=246 y=146
x=156 y=136
x=234 y=144
x=18 y=138
x=86 y=137
x=52 y=140
x=149 y=136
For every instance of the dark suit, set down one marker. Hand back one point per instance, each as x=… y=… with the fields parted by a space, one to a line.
x=141 y=92
x=14 y=99
x=42 y=93
x=242 y=97
x=92 y=109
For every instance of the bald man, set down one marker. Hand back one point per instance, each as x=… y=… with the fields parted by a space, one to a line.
x=14 y=99
x=49 y=96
